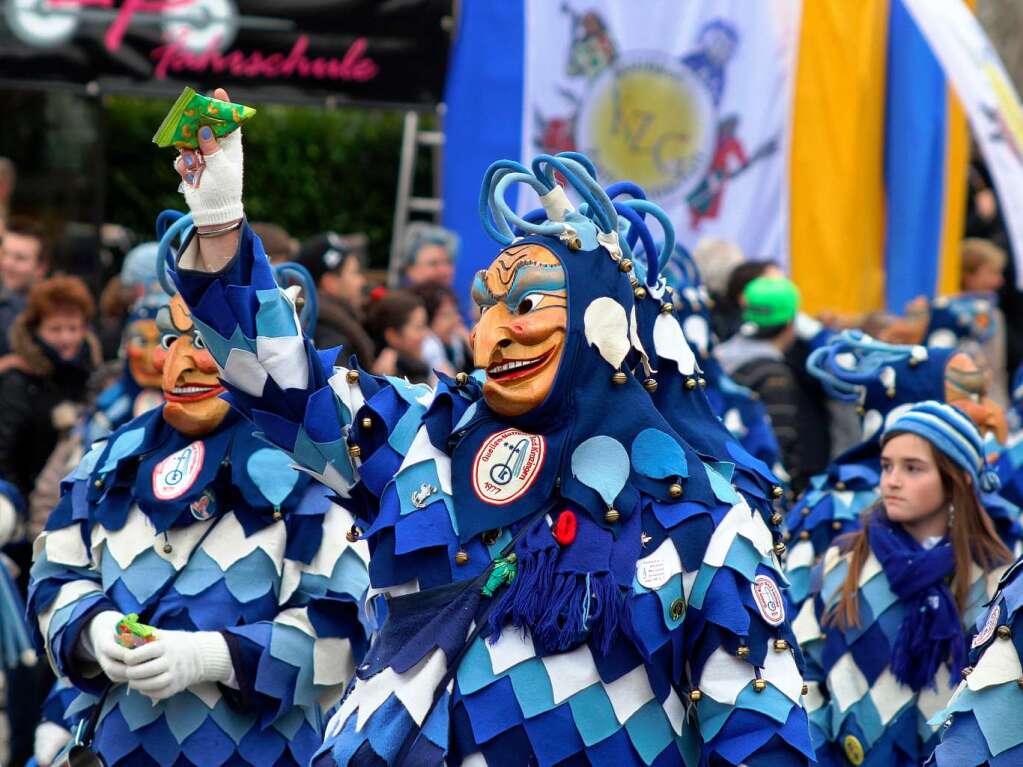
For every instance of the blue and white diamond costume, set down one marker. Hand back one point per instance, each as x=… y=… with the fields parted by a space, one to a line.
x=208 y=533
x=641 y=618
x=983 y=723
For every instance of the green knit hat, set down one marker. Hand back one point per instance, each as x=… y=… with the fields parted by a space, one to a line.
x=770 y=301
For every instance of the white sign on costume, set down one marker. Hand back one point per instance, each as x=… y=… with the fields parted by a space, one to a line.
x=991 y=102
x=689 y=100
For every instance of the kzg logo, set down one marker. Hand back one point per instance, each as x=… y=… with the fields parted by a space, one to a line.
x=507 y=465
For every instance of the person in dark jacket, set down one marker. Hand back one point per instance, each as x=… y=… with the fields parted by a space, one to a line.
x=24 y=260
x=755 y=358
x=335 y=263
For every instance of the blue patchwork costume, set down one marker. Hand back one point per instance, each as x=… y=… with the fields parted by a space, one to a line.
x=983 y=723
x=210 y=533
x=576 y=585
x=737 y=406
x=881 y=379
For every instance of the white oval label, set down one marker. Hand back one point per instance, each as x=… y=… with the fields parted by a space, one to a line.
x=989 y=627
x=768 y=599
x=506 y=466
x=175 y=474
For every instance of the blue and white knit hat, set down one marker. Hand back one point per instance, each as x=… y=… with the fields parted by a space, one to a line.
x=951 y=432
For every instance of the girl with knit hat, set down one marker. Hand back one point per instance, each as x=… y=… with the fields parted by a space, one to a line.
x=887 y=630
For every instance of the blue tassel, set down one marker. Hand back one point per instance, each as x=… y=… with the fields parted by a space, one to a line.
x=559 y=609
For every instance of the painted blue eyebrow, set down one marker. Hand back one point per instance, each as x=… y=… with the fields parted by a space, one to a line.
x=528 y=278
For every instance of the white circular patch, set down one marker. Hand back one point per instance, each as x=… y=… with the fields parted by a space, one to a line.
x=768 y=599
x=175 y=474
x=507 y=465
x=989 y=627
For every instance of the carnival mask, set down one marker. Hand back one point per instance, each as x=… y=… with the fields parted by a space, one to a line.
x=966 y=388
x=141 y=340
x=520 y=336
x=190 y=383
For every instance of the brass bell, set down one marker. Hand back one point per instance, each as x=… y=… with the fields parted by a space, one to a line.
x=461 y=378
x=611 y=516
x=618 y=377
x=167 y=548
x=650 y=384
x=781 y=645
x=703 y=383
x=695 y=695
x=836 y=525
x=1004 y=632
x=367 y=423
x=890 y=393
x=277 y=516
x=759 y=685
x=625 y=265
x=353 y=534
x=461 y=557
x=776 y=518
x=742 y=652
x=840 y=485
x=805 y=689
x=804 y=535
x=575 y=244
x=98 y=483
x=352 y=376
x=639 y=293
x=806 y=511
x=667 y=308
x=786 y=536
x=354 y=451
x=779 y=548
x=690 y=383
x=777 y=491
x=675 y=490
x=1020 y=681
x=967 y=671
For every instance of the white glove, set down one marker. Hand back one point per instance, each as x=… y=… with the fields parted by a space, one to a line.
x=176 y=660
x=50 y=739
x=218 y=198
x=99 y=643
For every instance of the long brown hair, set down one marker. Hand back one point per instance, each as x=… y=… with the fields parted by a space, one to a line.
x=973 y=539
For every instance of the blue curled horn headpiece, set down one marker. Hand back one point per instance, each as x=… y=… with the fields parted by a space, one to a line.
x=174 y=227
x=618 y=225
x=853 y=364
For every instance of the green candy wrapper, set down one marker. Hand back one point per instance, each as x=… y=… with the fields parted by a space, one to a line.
x=180 y=128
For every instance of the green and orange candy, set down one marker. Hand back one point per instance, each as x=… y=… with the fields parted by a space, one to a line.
x=131 y=633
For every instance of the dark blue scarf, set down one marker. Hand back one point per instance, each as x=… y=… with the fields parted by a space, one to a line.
x=931 y=633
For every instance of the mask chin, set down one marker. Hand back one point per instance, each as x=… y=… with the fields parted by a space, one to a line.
x=196 y=419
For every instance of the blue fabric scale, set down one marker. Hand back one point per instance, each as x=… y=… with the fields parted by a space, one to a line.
x=578 y=603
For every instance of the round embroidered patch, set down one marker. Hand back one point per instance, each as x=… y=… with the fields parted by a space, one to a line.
x=853 y=749
x=989 y=627
x=506 y=466
x=175 y=474
x=205 y=506
x=768 y=599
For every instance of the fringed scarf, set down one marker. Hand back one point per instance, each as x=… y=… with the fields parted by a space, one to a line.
x=931 y=633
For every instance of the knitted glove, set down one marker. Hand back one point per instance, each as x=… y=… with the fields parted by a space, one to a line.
x=176 y=661
x=50 y=739
x=218 y=197
x=99 y=643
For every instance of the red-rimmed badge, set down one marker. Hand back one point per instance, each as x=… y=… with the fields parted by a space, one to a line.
x=768 y=598
x=507 y=465
x=175 y=474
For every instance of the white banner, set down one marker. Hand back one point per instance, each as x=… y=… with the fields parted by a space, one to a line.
x=989 y=98
x=689 y=100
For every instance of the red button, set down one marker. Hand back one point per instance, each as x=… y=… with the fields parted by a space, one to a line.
x=564 y=528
